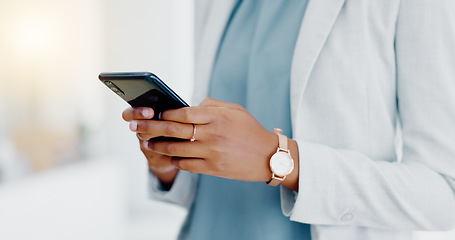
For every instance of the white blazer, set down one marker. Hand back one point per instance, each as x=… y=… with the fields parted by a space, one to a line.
x=359 y=67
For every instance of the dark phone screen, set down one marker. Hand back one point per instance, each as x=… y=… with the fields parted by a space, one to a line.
x=156 y=100
x=143 y=89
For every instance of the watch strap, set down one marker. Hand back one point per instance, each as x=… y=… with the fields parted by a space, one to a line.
x=282 y=146
x=282 y=140
x=275 y=181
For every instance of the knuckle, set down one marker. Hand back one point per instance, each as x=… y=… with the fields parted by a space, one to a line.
x=222 y=121
x=219 y=166
x=155 y=160
x=187 y=165
x=140 y=136
x=238 y=106
x=169 y=148
x=217 y=128
x=145 y=145
x=222 y=113
x=152 y=159
x=145 y=126
x=143 y=148
x=182 y=165
x=144 y=136
x=171 y=129
x=136 y=113
x=186 y=114
x=206 y=101
x=141 y=126
x=150 y=145
x=216 y=152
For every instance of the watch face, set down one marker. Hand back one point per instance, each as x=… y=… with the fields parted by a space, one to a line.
x=281 y=164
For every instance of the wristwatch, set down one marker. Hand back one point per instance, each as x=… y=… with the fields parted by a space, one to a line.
x=281 y=163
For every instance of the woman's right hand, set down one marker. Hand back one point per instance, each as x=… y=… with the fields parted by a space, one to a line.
x=159 y=164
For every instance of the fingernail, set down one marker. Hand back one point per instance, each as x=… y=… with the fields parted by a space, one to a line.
x=146 y=145
x=147 y=113
x=133 y=125
x=139 y=137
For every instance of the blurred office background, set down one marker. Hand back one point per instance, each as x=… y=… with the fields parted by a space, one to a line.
x=69 y=166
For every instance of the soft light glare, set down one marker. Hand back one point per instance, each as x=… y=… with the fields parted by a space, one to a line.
x=34 y=37
x=31 y=39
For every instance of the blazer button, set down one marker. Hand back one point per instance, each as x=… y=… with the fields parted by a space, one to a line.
x=347 y=217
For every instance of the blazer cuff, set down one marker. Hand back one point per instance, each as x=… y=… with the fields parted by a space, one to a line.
x=288 y=198
x=314 y=183
x=181 y=193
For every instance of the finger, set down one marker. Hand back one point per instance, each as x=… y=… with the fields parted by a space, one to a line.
x=141 y=137
x=167 y=169
x=155 y=160
x=196 y=115
x=199 y=133
x=138 y=113
x=145 y=136
x=177 y=149
x=211 y=102
x=194 y=165
x=147 y=129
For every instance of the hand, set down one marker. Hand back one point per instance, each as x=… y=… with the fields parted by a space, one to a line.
x=230 y=142
x=159 y=164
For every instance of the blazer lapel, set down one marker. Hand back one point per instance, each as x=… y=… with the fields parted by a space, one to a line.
x=212 y=29
x=317 y=23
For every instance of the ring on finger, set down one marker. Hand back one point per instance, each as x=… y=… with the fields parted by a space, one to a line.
x=193 y=138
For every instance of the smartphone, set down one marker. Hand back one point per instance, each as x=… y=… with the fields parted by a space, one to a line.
x=143 y=89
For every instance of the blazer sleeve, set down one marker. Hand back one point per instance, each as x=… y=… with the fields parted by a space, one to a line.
x=343 y=187
x=181 y=193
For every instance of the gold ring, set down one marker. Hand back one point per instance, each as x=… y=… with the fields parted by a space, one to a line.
x=193 y=138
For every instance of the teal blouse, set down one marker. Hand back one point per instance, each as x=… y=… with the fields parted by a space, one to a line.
x=252 y=68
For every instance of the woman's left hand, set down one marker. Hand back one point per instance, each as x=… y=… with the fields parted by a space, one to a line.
x=229 y=141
